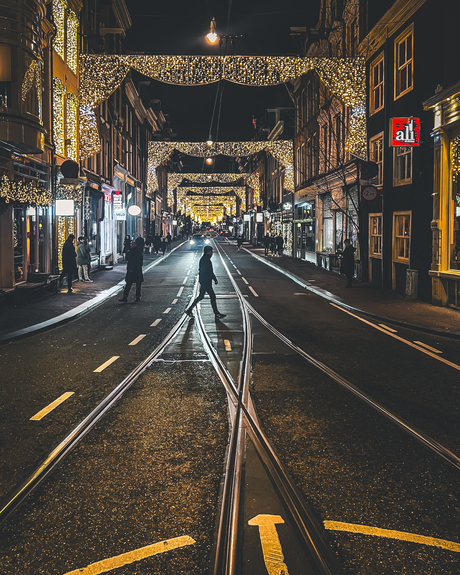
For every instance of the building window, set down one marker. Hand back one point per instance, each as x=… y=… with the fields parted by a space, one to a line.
x=404 y=63
x=402 y=165
x=401 y=237
x=376 y=91
x=376 y=155
x=375 y=235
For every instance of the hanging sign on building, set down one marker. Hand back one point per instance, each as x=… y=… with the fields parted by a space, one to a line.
x=369 y=193
x=405 y=131
x=117 y=197
x=119 y=213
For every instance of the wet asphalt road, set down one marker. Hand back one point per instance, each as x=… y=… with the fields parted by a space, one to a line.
x=151 y=469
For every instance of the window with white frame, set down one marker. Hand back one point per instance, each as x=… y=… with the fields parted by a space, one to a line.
x=402 y=165
x=376 y=91
x=376 y=155
x=404 y=48
x=401 y=236
x=375 y=235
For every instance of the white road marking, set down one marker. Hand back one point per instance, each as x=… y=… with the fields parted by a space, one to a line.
x=252 y=289
x=106 y=364
x=245 y=281
x=425 y=351
x=227 y=344
x=155 y=323
x=185 y=280
x=174 y=301
x=167 y=310
x=238 y=271
x=179 y=293
x=428 y=347
x=138 y=339
x=388 y=328
x=41 y=414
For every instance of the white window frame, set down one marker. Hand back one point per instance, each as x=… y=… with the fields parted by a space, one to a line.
x=378 y=217
x=398 y=153
x=399 y=237
x=380 y=86
x=407 y=63
x=378 y=180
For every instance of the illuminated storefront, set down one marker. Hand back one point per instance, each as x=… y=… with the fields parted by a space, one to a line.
x=445 y=225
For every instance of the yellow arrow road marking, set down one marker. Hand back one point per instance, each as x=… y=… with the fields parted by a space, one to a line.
x=391 y=534
x=271 y=546
x=120 y=560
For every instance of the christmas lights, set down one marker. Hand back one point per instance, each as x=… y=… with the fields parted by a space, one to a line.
x=24 y=193
x=90 y=141
x=455 y=158
x=72 y=126
x=71 y=43
x=75 y=193
x=59 y=22
x=101 y=75
x=59 y=90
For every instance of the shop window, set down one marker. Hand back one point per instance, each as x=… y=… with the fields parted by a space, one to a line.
x=402 y=165
x=404 y=63
x=376 y=88
x=375 y=235
x=455 y=221
x=376 y=155
x=401 y=237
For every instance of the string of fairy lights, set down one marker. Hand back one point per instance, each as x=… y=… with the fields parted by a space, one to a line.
x=24 y=193
x=101 y=75
x=455 y=158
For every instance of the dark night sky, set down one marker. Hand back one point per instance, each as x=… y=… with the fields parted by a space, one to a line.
x=179 y=27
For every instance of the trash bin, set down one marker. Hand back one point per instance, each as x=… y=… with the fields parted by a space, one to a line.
x=412 y=284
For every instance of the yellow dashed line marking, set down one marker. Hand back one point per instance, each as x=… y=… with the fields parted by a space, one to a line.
x=388 y=328
x=391 y=534
x=227 y=344
x=41 y=414
x=106 y=364
x=433 y=349
x=127 y=558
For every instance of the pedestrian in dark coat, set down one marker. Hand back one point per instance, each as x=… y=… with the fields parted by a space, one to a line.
x=273 y=245
x=239 y=241
x=134 y=274
x=206 y=277
x=126 y=246
x=347 y=266
x=69 y=265
x=267 y=241
x=168 y=239
x=157 y=242
x=140 y=243
x=279 y=244
x=163 y=245
x=149 y=243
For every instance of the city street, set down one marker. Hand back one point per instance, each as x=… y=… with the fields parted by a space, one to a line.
x=360 y=418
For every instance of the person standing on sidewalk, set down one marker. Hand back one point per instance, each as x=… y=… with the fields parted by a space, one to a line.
x=279 y=244
x=267 y=241
x=69 y=265
x=133 y=272
x=239 y=242
x=347 y=266
x=168 y=239
x=83 y=260
x=206 y=277
x=126 y=246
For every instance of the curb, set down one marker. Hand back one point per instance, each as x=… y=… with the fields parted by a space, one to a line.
x=338 y=301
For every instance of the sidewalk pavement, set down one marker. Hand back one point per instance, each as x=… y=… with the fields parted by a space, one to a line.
x=55 y=308
x=385 y=305
x=366 y=298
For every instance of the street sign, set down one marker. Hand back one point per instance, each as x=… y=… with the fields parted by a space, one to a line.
x=405 y=132
x=369 y=193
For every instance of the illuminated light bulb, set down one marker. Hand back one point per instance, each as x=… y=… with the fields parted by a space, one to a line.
x=209 y=143
x=209 y=161
x=212 y=34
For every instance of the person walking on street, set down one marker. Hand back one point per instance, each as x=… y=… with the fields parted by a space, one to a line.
x=134 y=274
x=206 y=277
x=69 y=265
x=267 y=241
x=83 y=260
x=149 y=243
x=163 y=245
x=239 y=242
x=140 y=243
x=273 y=245
x=168 y=239
x=347 y=266
x=279 y=245
x=126 y=246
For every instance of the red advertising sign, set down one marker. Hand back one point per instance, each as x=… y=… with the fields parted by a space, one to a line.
x=405 y=132
x=107 y=196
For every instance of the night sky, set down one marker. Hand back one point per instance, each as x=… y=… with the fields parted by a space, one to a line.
x=180 y=27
